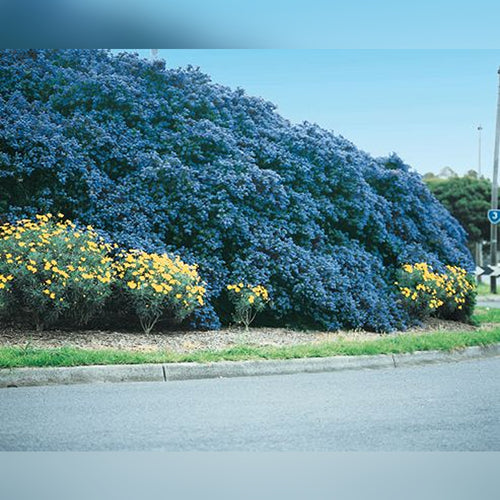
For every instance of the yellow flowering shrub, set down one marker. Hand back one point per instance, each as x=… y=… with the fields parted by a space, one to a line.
x=51 y=270
x=5 y=289
x=158 y=284
x=447 y=295
x=248 y=300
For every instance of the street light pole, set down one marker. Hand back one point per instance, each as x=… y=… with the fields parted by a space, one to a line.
x=479 y=244
x=479 y=152
x=494 y=193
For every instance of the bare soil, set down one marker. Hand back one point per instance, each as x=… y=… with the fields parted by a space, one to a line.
x=189 y=341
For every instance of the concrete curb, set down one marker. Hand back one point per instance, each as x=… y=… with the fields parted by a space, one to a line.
x=17 y=377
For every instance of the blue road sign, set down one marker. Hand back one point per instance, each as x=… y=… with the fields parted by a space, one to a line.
x=494 y=216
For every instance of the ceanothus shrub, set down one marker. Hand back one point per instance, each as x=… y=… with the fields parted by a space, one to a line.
x=165 y=161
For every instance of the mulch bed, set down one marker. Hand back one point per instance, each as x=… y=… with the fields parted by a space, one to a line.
x=189 y=341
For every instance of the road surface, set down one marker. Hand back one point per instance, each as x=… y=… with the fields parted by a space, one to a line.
x=492 y=304
x=450 y=406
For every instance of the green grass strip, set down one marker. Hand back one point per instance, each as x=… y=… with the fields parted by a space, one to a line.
x=483 y=289
x=11 y=357
x=486 y=315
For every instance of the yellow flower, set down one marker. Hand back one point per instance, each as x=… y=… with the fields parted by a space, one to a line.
x=251 y=299
x=132 y=284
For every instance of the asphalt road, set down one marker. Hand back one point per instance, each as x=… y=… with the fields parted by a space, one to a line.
x=489 y=300
x=451 y=406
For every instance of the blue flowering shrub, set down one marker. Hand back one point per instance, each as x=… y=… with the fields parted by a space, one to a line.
x=163 y=160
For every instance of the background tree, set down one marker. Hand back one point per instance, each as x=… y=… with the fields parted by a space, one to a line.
x=468 y=199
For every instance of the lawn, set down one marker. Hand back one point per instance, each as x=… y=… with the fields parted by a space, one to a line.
x=483 y=288
x=486 y=315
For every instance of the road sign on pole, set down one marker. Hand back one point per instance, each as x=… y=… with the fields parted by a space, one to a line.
x=491 y=271
x=494 y=216
x=494 y=196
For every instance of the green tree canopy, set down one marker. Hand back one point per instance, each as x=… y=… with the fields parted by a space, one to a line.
x=468 y=199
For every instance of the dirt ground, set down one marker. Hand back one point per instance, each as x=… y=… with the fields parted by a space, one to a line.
x=189 y=341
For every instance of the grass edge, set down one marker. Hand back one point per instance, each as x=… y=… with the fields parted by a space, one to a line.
x=18 y=357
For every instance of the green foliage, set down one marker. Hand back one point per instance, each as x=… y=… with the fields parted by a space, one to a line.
x=248 y=300
x=468 y=199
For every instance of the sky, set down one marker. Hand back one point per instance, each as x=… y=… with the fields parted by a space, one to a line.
x=424 y=105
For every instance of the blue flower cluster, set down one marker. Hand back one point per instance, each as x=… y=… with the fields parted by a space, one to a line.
x=163 y=159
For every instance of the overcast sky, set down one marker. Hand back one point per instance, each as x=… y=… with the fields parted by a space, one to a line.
x=425 y=105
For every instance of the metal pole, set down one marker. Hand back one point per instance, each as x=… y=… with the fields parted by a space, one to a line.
x=494 y=193
x=479 y=244
x=479 y=157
